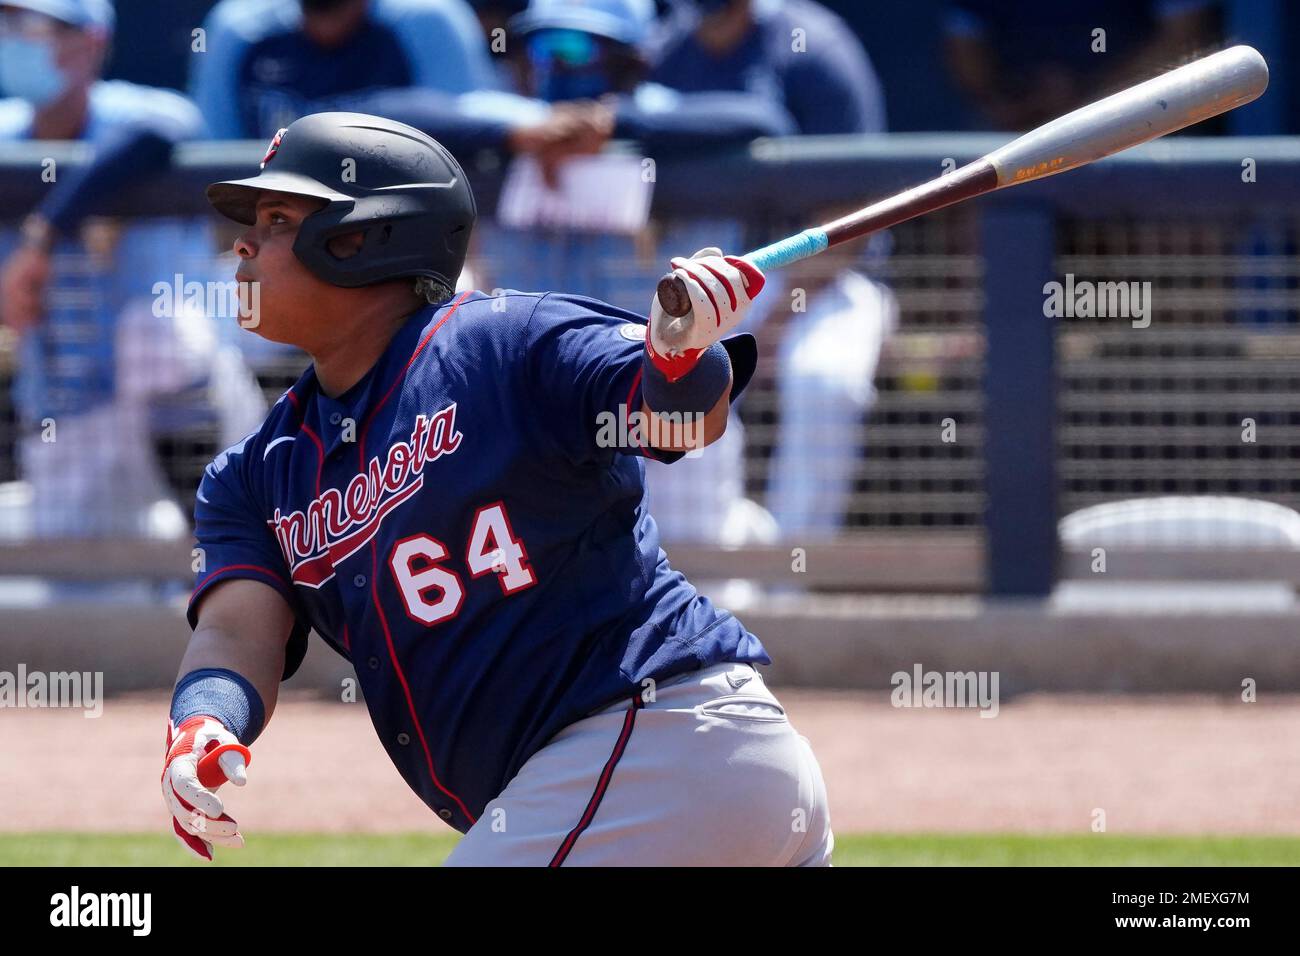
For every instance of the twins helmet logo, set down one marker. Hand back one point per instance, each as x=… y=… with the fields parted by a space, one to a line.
x=273 y=148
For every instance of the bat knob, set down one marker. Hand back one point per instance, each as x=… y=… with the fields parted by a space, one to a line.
x=673 y=297
x=210 y=772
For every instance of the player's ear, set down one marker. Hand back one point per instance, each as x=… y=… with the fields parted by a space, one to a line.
x=347 y=245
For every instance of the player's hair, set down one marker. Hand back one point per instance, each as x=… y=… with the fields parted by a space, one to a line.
x=432 y=290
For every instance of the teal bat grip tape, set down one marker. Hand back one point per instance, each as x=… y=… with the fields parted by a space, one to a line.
x=788 y=250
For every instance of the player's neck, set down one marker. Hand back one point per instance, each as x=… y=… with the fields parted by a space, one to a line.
x=725 y=30
x=345 y=358
x=63 y=118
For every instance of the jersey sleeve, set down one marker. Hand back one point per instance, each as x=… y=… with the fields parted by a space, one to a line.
x=214 y=74
x=836 y=90
x=444 y=43
x=583 y=377
x=234 y=541
x=689 y=122
x=130 y=154
x=583 y=362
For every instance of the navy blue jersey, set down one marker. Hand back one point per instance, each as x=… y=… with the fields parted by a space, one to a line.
x=260 y=72
x=798 y=55
x=455 y=525
x=1028 y=36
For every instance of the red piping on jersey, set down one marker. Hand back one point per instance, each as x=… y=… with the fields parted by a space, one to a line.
x=234 y=567
x=374 y=569
x=602 y=784
x=628 y=405
x=320 y=452
x=418 y=349
x=406 y=688
x=646 y=451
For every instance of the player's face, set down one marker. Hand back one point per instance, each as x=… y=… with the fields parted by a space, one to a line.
x=41 y=58
x=284 y=298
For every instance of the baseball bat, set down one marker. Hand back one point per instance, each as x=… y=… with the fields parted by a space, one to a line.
x=1177 y=99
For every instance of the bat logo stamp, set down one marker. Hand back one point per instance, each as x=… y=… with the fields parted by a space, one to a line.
x=273 y=148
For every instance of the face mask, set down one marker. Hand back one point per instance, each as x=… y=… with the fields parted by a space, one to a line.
x=27 y=70
x=557 y=86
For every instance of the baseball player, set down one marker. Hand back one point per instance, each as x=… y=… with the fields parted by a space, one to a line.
x=452 y=497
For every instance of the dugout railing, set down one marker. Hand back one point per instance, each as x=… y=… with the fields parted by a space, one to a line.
x=1050 y=413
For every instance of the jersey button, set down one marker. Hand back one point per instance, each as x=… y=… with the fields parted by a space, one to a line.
x=403 y=739
x=359 y=580
x=445 y=813
x=374 y=663
x=335 y=418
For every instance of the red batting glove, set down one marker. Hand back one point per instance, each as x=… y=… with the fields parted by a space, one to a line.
x=721 y=290
x=202 y=755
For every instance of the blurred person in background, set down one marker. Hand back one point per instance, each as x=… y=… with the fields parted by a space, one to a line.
x=795 y=53
x=586 y=74
x=1022 y=64
x=827 y=340
x=802 y=56
x=583 y=80
x=588 y=60
x=827 y=354
x=584 y=77
x=494 y=17
x=102 y=364
x=267 y=62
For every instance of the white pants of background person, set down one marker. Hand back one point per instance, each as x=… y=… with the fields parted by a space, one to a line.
x=701 y=499
x=826 y=365
x=100 y=476
x=825 y=379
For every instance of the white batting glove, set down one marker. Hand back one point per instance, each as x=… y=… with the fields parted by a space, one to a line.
x=199 y=819
x=721 y=289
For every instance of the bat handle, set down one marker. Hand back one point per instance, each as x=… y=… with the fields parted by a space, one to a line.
x=673 y=297
x=675 y=301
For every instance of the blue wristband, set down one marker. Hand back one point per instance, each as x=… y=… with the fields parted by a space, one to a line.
x=223 y=694
x=696 y=392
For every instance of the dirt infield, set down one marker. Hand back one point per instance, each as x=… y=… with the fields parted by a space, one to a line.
x=1155 y=765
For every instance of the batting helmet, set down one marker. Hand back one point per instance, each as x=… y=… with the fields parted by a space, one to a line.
x=398 y=186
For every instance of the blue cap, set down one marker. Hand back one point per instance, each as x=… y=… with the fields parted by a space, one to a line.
x=78 y=13
x=626 y=21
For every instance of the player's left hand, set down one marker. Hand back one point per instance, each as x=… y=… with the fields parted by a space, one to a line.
x=721 y=289
x=199 y=819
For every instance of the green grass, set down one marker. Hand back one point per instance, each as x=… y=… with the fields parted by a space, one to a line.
x=281 y=849
x=1092 y=849
x=268 y=849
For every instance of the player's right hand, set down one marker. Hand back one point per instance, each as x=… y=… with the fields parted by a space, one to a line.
x=721 y=290
x=199 y=819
